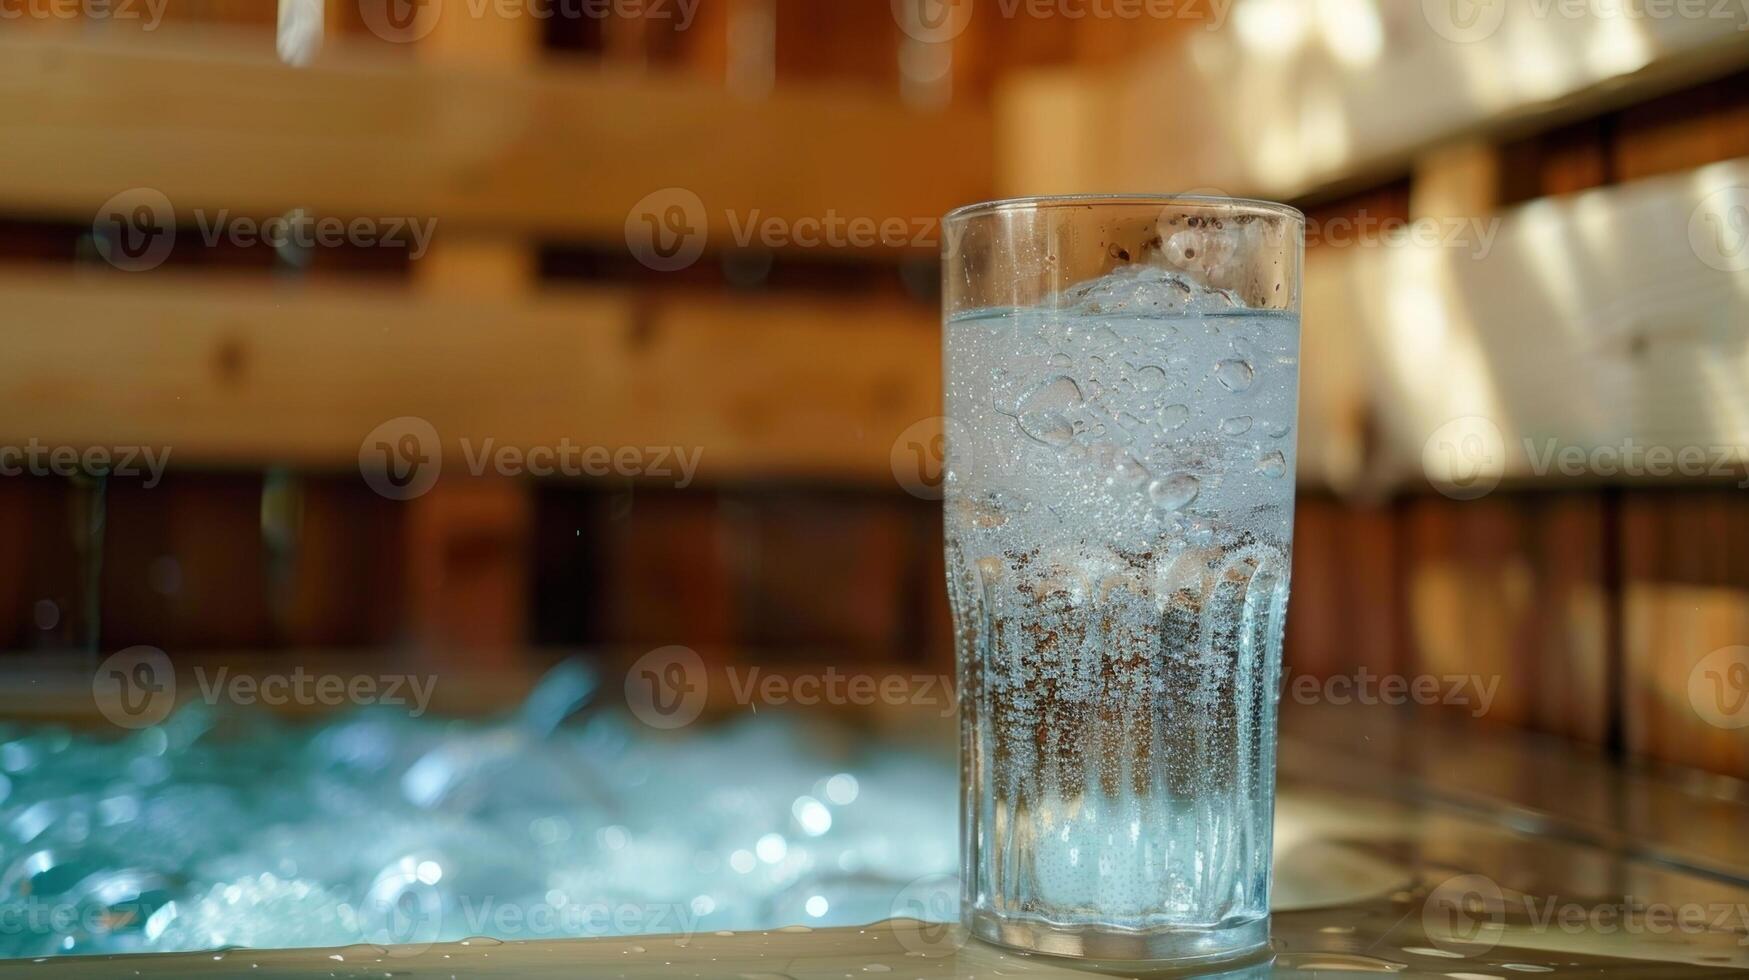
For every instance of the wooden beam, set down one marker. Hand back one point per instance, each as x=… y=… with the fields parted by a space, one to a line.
x=466 y=564
x=1685 y=628
x=1288 y=107
x=226 y=370
x=213 y=120
x=1608 y=321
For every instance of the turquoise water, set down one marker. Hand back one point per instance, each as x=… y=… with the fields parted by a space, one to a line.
x=221 y=829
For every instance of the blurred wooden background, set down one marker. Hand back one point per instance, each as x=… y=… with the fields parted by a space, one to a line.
x=796 y=370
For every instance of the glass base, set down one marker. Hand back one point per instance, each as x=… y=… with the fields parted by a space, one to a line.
x=1160 y=948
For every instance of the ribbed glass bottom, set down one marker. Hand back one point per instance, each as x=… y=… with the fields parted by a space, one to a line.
x=1175 y=948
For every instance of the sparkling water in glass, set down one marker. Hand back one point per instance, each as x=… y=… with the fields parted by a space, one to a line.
x=1122 y=383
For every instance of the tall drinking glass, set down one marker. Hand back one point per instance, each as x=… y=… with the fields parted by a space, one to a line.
x=1122 y=385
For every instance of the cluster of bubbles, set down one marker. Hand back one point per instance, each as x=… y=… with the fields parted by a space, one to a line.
x=219 y=830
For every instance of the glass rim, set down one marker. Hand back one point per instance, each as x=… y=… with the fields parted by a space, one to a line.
x=1049 y=202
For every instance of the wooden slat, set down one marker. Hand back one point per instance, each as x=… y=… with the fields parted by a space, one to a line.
x=214 y=122
x=1686 y=616
x=1684 y=130
x=1587 y=321
x=1513 y=591
x=1281 y=105
x=237 y=370
x=1348 y=591
x=794 y=594
x=467 y=546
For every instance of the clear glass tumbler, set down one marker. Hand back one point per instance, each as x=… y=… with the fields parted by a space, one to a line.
x=1122 y=386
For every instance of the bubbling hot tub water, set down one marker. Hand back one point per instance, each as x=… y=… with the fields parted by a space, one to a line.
x=231 y=830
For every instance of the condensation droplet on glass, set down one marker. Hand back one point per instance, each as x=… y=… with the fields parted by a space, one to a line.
x=1173 y=416
x=1042 y=413
x=1272 y=464
x=1234 y=374
x=1174 y=492
x=1129 y=470
x=1238 y=425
